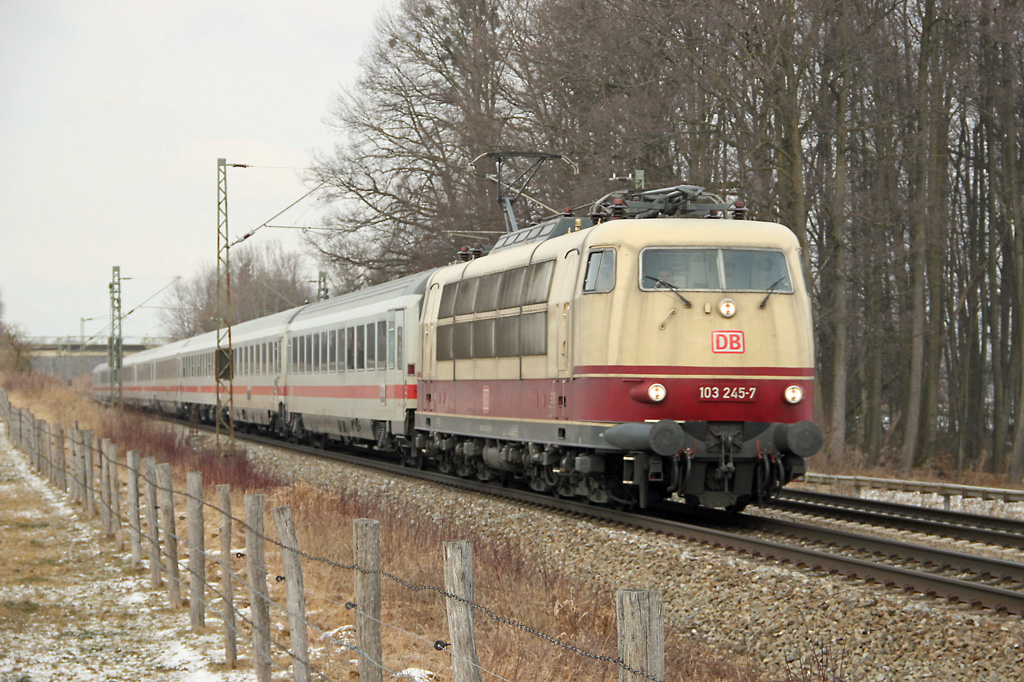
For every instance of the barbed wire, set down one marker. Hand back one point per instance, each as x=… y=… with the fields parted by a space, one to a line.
x=413 y=587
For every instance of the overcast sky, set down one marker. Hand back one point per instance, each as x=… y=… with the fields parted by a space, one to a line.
x=112 y=118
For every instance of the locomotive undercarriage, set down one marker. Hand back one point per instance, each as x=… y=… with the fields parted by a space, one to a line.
x=725 y=465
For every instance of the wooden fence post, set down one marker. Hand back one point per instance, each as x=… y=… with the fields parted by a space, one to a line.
x=46 y=450
x=458 y=581
x=76 y=475
x=366 y=550
x=256 y=567
x=134 y=517
x=115 y=494
x=61 y=460
x=227 y=578
x=89 y=489
x=641 y=634
x=196 y=552
x=105 y=508
x=165 y=484
x=152 y=521
x=296 y=593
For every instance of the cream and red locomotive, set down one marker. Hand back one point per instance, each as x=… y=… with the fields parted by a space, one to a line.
x=623 y=357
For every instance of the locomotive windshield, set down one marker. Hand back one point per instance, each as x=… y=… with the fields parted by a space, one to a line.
x=715 y=269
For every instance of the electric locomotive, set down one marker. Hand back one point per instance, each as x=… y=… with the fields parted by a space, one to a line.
x=626 y=356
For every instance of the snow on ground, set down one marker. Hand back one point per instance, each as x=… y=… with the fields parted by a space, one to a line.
x=72 y=609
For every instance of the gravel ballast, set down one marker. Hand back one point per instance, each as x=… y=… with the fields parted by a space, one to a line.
x=790 y=619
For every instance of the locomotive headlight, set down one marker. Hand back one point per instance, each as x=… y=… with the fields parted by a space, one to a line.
x=793 y=394
x=657 y=392
x=727 y=307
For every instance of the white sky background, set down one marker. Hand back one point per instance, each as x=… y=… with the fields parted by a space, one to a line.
x=112 y=117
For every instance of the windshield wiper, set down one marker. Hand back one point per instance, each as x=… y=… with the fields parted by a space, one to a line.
x=771 y=290
x=671 y=287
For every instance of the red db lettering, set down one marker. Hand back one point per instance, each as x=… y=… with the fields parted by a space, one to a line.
x=727 y=342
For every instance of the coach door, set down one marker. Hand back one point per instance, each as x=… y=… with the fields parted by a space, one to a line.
x=393 y=388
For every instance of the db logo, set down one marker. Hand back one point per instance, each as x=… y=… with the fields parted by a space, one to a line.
x=727 y=342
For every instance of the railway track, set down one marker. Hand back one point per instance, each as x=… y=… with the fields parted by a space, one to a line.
x=976 y=580
x=975 y=528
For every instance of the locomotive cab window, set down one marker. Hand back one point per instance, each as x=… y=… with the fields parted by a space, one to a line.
x=714 y=270
x=600 y=275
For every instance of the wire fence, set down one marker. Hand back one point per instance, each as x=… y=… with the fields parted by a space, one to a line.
x=89 y=470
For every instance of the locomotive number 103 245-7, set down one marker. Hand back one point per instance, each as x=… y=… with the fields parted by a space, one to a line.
x=738 y=393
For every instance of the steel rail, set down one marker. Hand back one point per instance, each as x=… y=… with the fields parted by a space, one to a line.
x=944 y=559
x=991 y=530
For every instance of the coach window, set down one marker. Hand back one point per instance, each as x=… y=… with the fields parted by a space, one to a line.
x=382 y=343
x=391 y=341
x=342 y=335
x=322 y=359
x=371 y=346
x=360 y=347
x=398 y=349
x=600 y=275
x=350 y=348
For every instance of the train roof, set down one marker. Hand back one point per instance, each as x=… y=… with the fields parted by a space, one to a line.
x=370 y=298
x=678 y=201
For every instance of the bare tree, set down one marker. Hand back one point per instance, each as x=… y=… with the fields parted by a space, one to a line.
x=264 y=280
x=430 y=98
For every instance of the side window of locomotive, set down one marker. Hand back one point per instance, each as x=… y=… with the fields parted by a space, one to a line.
x=487 y=292
x=538 y=282
x=447 y=306
x=462 y=340
x=466 y=296
x=534 y=334
x=511 y=287
x=444 y=342
x=483 y=338
x=506 y=337
x=600 y=276
x=690 y=269
x=754 y=270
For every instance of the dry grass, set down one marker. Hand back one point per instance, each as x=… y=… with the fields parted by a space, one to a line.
x=565 y=607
